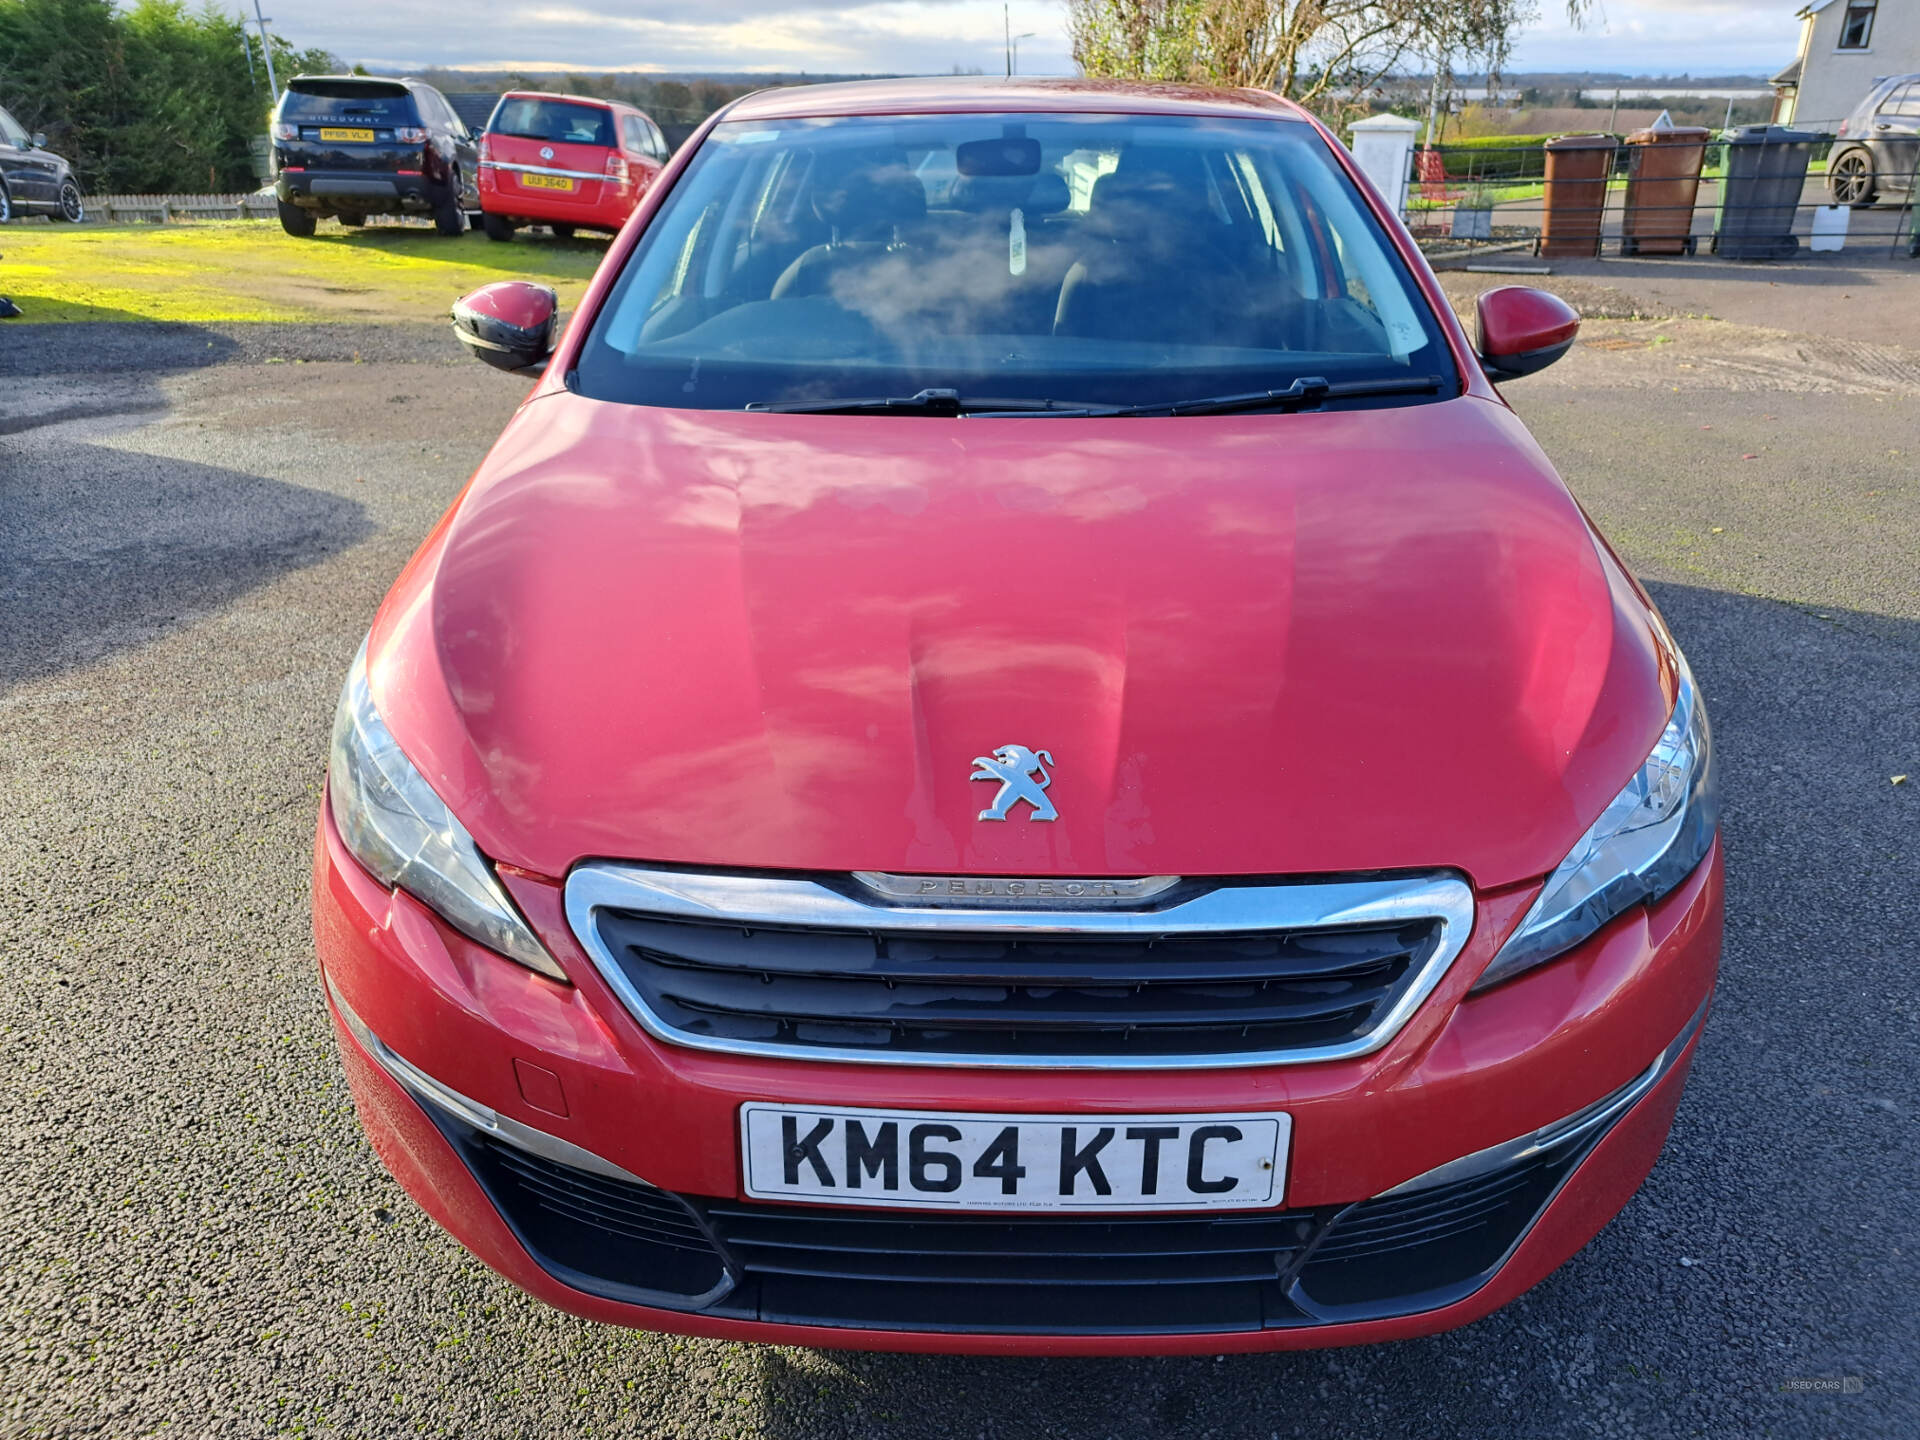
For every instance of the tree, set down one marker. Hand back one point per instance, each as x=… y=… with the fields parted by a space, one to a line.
x=673 y=97
x=1324 y=53
x=151 y=98
x=62 y=71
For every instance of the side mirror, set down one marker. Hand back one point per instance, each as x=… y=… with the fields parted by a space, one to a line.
x=508 y=324
x=39 y=140
x=1522 y=330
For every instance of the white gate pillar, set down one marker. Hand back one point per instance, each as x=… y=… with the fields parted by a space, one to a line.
x=1383 y=148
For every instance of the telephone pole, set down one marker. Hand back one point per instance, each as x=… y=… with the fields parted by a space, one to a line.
x=266 y=50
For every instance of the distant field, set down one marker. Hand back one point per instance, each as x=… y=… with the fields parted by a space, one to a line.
x=237 y=270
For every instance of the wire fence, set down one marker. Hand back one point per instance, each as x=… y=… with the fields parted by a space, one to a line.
x=1758 y=192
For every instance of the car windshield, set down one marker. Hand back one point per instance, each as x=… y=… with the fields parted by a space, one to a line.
x=384 y=102
x=1072 y=259
x=10 y=131
x=559 y=120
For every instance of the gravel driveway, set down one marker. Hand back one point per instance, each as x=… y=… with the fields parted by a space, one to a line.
x=195 y=526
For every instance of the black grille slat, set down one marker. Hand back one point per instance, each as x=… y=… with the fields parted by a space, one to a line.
x=637 y=1223
x=980 y=1008
x=757 y=1227
x=994 y=1272
x=632 y=1227
x=961 y=1271
x=1383 y=1245
x=1381 y=1238
x=1411 y=1206
x=990 y=1252
x=1030 y=961
x=576 y=1196
x=1056 y=993
x=587 y=1188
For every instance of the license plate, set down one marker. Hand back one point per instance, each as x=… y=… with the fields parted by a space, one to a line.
x=356 y=137
x=546 y=182
x=936 y=1160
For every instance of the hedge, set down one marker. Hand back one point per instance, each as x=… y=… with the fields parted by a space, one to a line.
x=1495 y=157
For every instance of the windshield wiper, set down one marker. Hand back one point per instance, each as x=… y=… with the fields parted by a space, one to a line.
x=927 y=402
x=1303 y=394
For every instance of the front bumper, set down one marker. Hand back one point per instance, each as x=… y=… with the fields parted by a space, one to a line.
x=598 y=1169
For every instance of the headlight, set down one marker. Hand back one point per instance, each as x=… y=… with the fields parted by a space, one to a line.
x=1643 y=845
x=393 y=823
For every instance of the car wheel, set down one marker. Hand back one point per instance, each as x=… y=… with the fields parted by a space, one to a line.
x=1850 y=179
x=449 y=216
x=6 y=204
x=296 y=221
x=497 y=227
x=70 y=209
x=562 y=232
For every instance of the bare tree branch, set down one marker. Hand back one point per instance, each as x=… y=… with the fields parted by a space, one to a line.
x=1328 y=53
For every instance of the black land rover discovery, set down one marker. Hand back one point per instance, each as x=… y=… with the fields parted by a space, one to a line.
x=351 y=146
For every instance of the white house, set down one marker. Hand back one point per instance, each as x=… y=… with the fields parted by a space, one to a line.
x=1845 y=47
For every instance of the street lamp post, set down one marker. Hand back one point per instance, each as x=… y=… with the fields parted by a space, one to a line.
x=1013 y=40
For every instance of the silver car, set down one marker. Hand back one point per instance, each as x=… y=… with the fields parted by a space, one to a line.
x=1877 y=148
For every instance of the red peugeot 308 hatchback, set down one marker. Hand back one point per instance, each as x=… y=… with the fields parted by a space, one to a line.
x=565 y=161
x=1038 y=768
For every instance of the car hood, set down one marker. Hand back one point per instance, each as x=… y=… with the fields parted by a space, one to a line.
x=1270 y=644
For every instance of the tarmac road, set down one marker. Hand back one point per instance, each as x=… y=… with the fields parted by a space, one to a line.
x=195 y=527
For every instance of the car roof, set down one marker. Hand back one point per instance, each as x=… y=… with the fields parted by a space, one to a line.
x=964 y=93
x=570 y=99
x=394 y=83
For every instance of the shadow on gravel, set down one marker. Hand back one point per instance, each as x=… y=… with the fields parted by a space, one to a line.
x=104 y=549
x=150 y=349
x=113 y=342
x=46 y=310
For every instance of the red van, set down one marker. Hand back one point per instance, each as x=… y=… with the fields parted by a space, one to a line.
x=567 y=161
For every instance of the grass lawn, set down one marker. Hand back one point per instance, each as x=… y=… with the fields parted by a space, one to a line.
x=251 y=270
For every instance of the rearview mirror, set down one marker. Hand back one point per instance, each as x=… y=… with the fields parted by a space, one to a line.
x=1010 y=155
x=1522 y=330
x=39 y=140
x=508 y=324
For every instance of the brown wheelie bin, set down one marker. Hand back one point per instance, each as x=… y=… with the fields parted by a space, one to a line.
x=1577 y=170
x=1663 y=178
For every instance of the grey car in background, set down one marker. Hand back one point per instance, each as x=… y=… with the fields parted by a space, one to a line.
x=1877 y=148
x=33 y=180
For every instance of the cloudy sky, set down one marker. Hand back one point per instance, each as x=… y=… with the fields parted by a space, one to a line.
x=932 y=36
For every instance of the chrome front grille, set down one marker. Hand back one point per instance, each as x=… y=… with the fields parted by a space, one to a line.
x=1200 y=973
